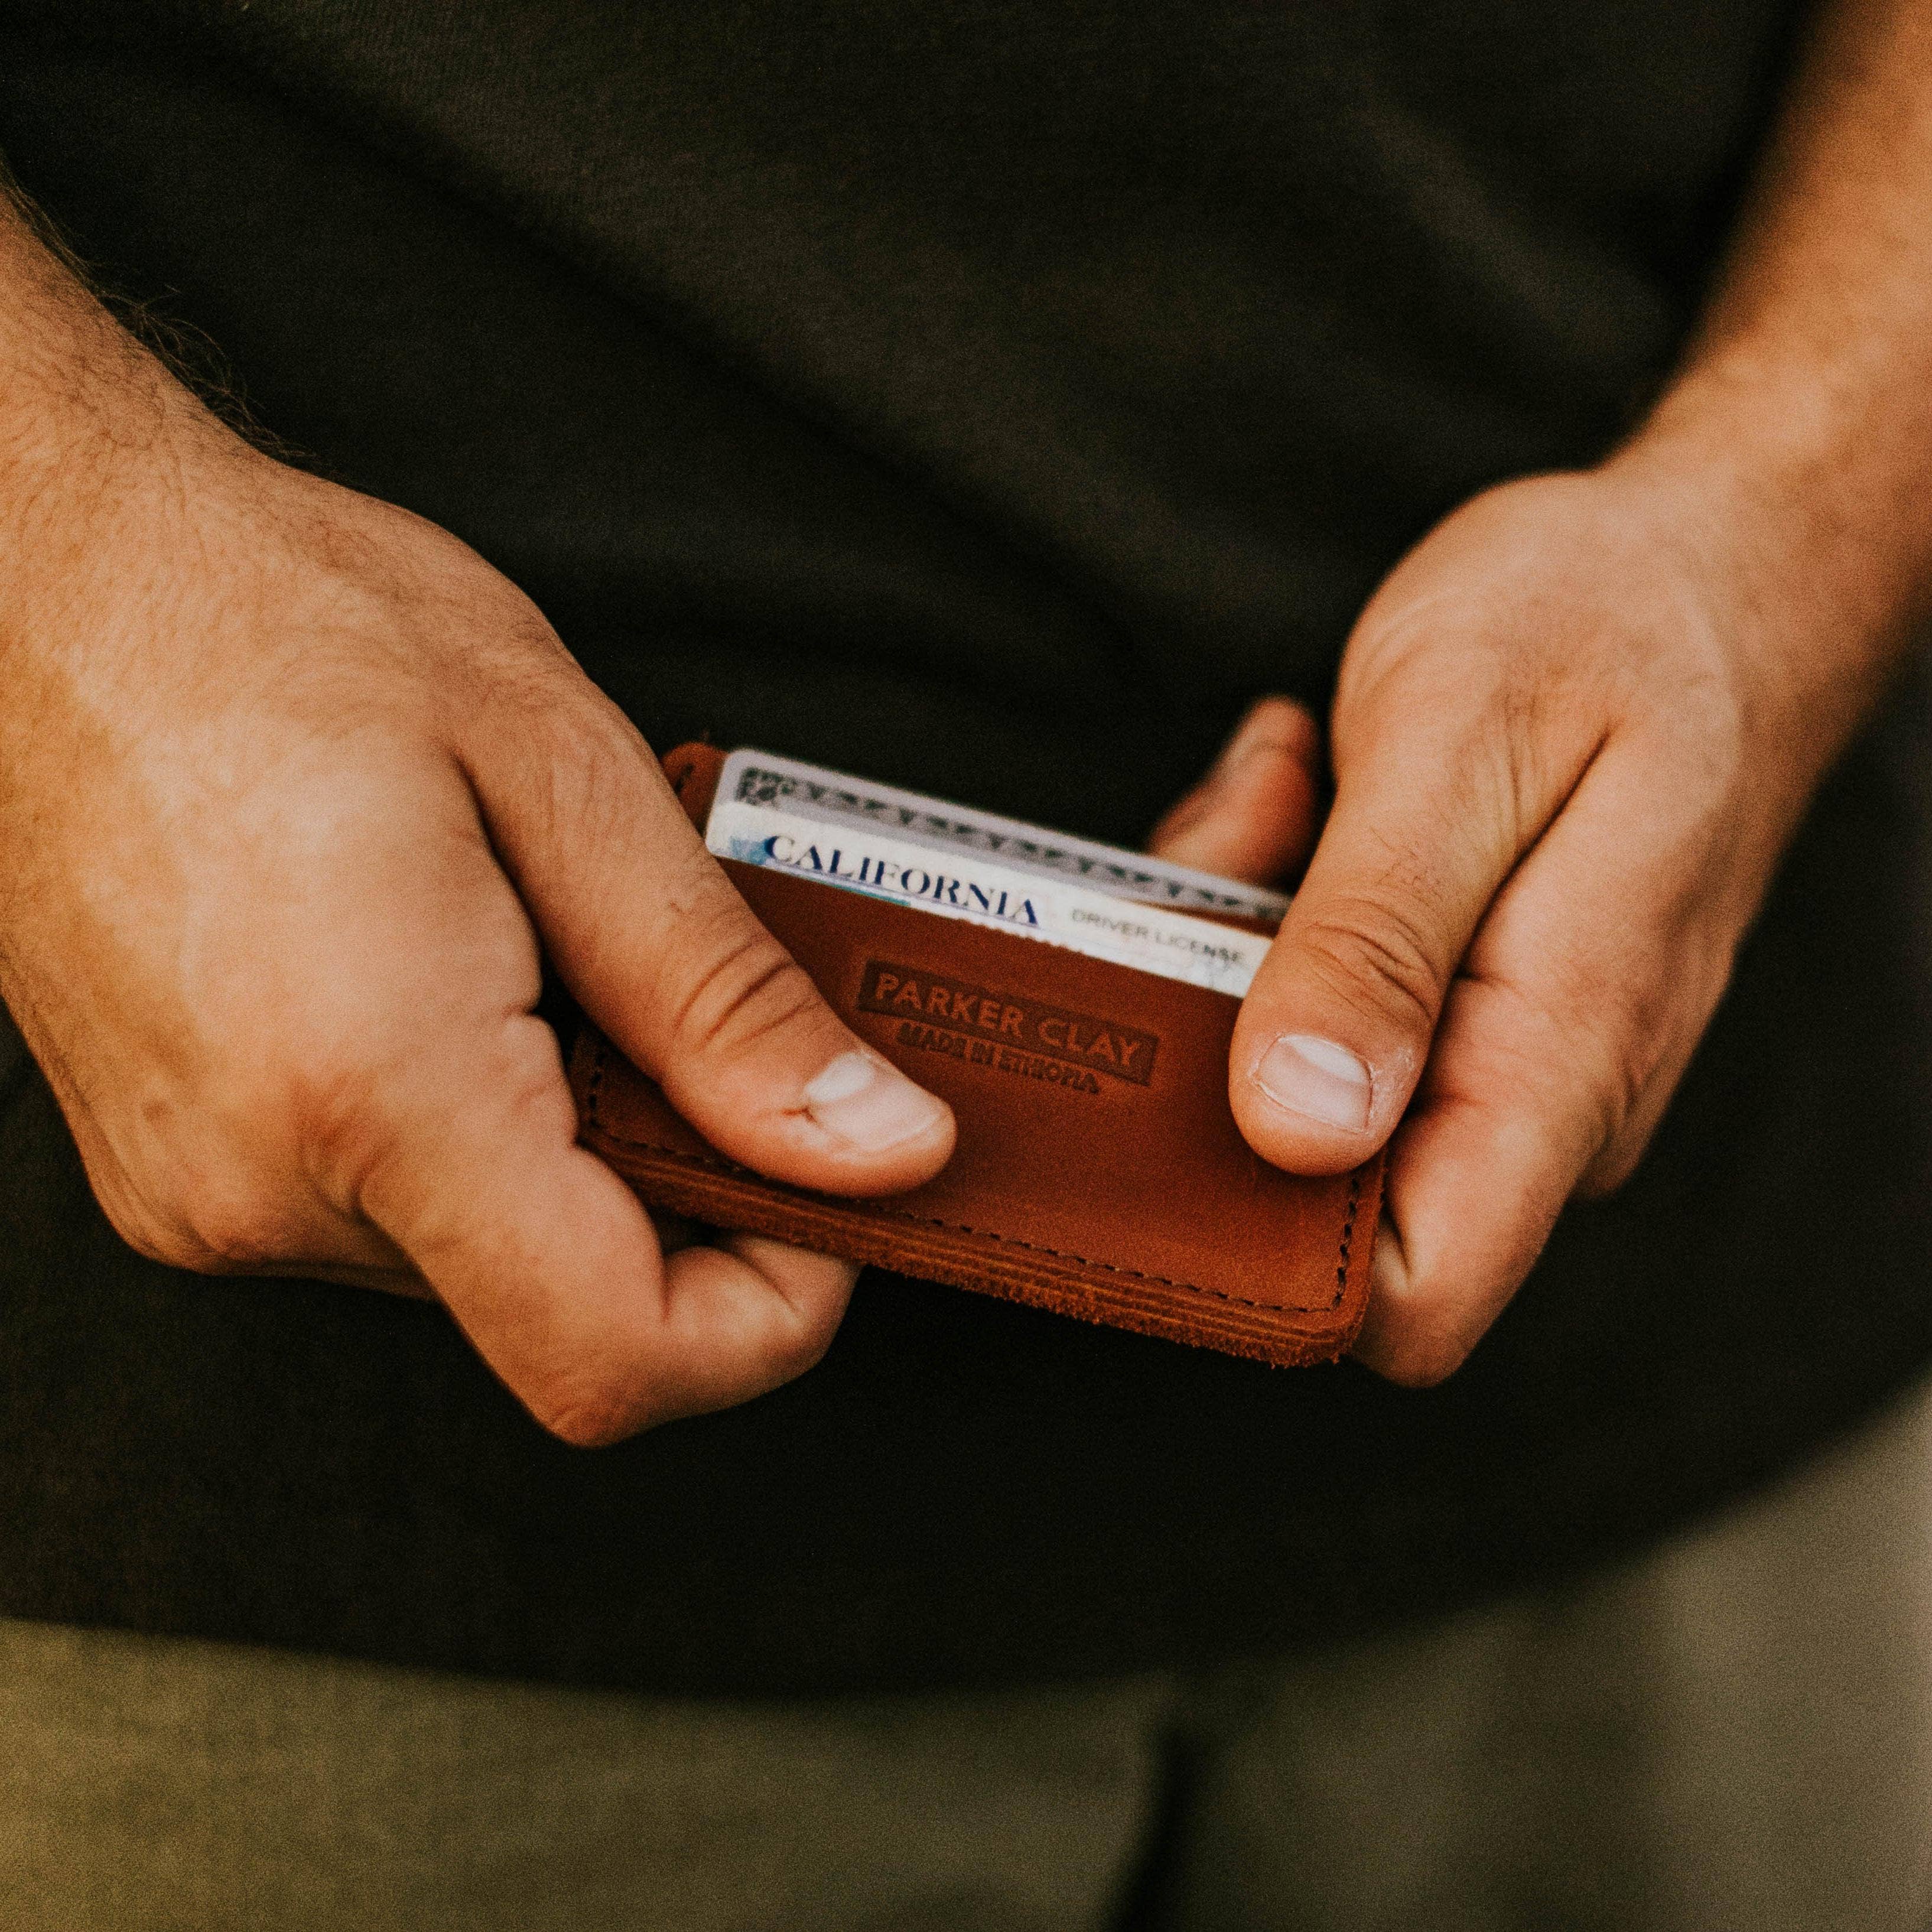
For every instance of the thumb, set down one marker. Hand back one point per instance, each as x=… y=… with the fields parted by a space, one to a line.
x=1253 y=816
x=1334 y=1032
x=666 y=957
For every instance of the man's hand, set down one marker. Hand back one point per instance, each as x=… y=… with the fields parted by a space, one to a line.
x=290 y=783
x=1567 y=757
x=1576 y=726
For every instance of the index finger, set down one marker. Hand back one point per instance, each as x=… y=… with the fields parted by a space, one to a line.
x=551 y=1266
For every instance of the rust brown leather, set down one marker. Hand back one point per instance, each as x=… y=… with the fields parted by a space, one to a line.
x=1099 y=1171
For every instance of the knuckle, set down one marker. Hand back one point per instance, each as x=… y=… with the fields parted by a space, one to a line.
x=360 y=1117
x=803 y=1347
x=1421 y=1357
x=204 y=1220
x=1374 y=952
x=213 y=1231
x=583 y=1414
x=154 y=1237
x=521 y=671
x=1617 y=1032
x=1611 y=1168
x=748 y=988
x=585 y=785
x=1625 y=1066
x=236 y=1233
x=1591 y=1088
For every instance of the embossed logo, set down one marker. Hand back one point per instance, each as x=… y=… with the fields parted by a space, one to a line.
x=1006 y=1024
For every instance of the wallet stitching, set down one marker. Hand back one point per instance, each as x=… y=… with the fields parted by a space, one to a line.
x=1348 y=1236
x=593 y=1086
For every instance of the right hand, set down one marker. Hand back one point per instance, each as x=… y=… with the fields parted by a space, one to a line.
x=291 y=781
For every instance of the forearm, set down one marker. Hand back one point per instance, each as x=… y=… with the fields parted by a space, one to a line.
x=1798 y=431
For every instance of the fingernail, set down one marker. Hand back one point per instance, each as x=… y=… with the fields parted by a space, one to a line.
x=1312 y=1076
x=869 y=1104
x=1261 y=730
x=1235 y=753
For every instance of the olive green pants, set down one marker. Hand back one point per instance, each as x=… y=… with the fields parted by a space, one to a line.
x=1734 y=1732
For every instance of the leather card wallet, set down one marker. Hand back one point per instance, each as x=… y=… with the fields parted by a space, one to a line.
x=1098 y=1171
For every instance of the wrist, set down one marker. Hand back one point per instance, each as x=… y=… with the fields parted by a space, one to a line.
x=100 y=446
x=1804 y=488
x=1799 y=536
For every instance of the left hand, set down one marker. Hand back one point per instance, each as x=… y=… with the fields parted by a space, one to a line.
x=1573 y=731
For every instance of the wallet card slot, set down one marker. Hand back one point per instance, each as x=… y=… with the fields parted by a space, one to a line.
x=1091 y=1097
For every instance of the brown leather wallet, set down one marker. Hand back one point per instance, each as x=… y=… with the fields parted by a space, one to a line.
x=1099 y=1171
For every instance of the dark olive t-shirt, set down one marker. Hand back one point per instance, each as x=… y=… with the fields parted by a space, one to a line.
x=992 y=398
